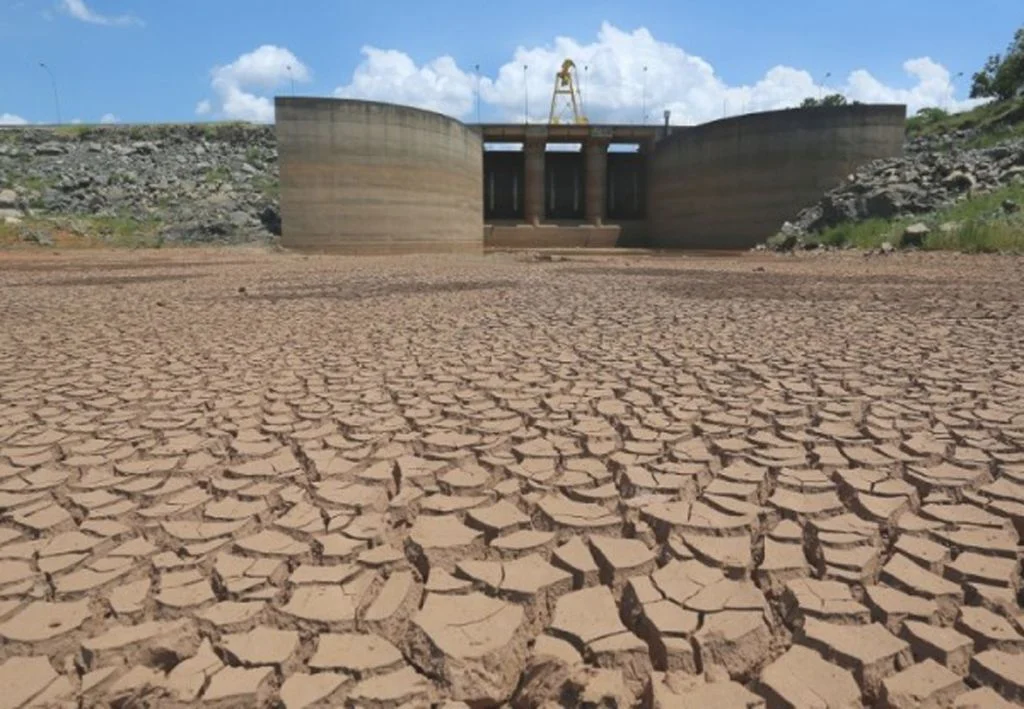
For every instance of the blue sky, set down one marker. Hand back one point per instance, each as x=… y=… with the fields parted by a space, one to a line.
x=186 y=60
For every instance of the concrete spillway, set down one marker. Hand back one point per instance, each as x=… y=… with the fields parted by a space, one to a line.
x=367 y=177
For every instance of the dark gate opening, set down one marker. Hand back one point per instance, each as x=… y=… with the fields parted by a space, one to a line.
x=563 y=185
x=627 y=186
x=503 y=184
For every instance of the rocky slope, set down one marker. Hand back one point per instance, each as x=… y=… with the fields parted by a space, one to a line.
x=218 y=183
x=934 y=174
x=213 y=183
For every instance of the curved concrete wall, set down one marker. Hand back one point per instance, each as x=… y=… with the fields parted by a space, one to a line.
x=372 y=178
x=732 y=183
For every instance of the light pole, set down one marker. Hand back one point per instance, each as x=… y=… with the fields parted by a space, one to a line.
x=821 y=93
x=477 y=68
x=291 y=77
x=643 y=100
x=952 y=93
x=526 y=97
x=582 y=84
x=53 y=82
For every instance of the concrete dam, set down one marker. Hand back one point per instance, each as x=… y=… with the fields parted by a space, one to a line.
x=377 y=178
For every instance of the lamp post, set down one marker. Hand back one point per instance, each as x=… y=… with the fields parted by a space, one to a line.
x=643 y=100
x=821 y=93
x=53 y=82
x=583 y=83
x=291 y=77
x=476 y=67
x=952 y=94
x=526 y=96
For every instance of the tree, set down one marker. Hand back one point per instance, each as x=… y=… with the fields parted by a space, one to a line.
x=830 y=100
x=1002 y=77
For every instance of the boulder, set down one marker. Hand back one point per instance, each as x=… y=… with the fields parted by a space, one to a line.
x=961 y=181
x=914 y=235
x=883 y=203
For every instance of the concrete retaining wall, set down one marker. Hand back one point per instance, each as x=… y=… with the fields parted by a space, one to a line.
x=551 y=236
x=732 y=183
x=368 y=177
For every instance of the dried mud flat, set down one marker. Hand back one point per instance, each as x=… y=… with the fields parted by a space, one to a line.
x=247 y=479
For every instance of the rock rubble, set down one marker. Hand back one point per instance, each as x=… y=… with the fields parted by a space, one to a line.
x=188 y=184
x=921 y=182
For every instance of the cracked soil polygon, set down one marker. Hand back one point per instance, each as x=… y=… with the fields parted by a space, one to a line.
x=363 y=483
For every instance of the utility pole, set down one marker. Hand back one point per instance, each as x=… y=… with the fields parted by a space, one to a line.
x=583 y=109
x=643 y=101
x=476 y=67
x=53 y=82
x=952 y=96
x=526 y=97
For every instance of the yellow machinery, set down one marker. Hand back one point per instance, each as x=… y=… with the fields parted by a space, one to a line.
x=566 y=85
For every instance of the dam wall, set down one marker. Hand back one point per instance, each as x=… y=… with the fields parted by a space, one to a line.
x=376 y=178
x=730 y=184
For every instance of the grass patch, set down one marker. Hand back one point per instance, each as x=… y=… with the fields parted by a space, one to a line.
x=985 y=204
x=979 y=237
x=84 y=231
x=974 y=225
x=996 y=136
x=220 y=173
x=122 y=231
x=9 y=234
x=122 y=178
x=120 y=226
x=862 y=235
x=214 y=128
x=269 y=187
x=988 y=118
x=34 y=183
x=76 y=130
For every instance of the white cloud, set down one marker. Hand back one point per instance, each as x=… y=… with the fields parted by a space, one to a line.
x=615 y=86
x=9 y=119
x=76 y=121
x=109 y=118
x=80 y=11
x=266 y=68
x=934 y=87
x=390 y=75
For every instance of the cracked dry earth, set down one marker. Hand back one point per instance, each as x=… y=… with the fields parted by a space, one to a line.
x=242 y=479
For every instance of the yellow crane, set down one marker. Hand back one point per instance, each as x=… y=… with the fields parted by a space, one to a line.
x=566 y=85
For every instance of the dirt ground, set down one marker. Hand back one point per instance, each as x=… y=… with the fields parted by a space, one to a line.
x=241 y=478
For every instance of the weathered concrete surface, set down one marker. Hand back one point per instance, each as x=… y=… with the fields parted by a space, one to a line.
x=366 y=177
x=731 y=183
x=235 y=478
x=551 y=236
